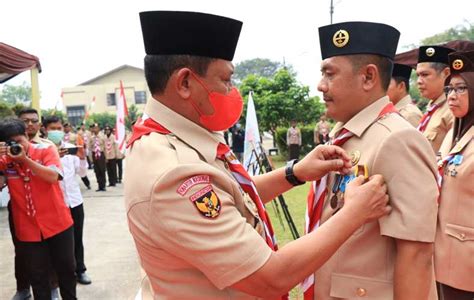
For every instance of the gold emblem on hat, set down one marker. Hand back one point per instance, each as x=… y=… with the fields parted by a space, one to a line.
x=355 y=157
x=340 y=38
x=430 y=51
x=458 y=64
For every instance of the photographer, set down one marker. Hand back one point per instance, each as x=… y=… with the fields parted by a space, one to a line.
x=70 y=160
x=33 y=172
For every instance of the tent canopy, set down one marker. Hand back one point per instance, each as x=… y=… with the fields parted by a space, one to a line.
x=13 y=61
x=410 y=58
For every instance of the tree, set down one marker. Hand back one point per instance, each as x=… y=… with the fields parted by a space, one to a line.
x=13 y=94
x=53 y=112
x=132 y=116
x=5 y=110
x=260 y=67
x=280 y=99
x=102 y=119
x=460 y=32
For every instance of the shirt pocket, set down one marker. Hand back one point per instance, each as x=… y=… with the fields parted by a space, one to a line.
x=355 y=287
x=431 y=135
x=461 y=233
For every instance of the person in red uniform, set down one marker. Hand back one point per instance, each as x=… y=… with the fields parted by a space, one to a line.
x=43 y=223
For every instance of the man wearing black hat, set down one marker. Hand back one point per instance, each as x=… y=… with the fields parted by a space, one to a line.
x=432 y=70
x=390 y=258
x=198 y=219
x=398 y=93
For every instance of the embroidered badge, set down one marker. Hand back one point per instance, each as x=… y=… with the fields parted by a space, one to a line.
x=185 y=186
x=207 y=202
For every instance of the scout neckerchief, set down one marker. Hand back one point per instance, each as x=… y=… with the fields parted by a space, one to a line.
x=319 y=191
x=427 y=117
x=246 y=183
x=66 y=137
x=26 y=176
x=146 y=125
x=96 y=147
x=108 y=144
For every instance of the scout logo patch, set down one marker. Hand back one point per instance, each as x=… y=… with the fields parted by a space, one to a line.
x=340 y=38
x=185 y=186
x=430 y=51
x=207 y=202
x=458 y=64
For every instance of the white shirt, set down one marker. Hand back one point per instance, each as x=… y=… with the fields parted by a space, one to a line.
x=69 y=184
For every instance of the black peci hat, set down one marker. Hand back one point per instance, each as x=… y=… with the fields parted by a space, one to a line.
x=437 y=54
x=189 y=33
x=460 y=62
x=400 y=70
x=358 y=38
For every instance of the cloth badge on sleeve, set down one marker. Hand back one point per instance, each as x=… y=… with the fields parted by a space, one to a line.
x=185 y=186
x=207 y=202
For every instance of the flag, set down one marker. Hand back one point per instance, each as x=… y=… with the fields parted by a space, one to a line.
x=252 y=142
x=122 y=111
x=59 y=104
x=91 y=105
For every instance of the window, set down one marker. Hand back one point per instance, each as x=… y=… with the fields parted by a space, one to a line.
x=140 y=97
x=75 y=114
x=111 y=100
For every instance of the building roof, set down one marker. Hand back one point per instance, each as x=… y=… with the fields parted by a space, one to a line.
x=88 y=82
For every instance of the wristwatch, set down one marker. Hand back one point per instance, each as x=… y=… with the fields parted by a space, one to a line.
x=289 y=175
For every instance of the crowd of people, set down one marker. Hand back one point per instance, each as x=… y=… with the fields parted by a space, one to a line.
x=40 y=165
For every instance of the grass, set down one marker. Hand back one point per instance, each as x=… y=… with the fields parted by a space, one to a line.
x=296 y=201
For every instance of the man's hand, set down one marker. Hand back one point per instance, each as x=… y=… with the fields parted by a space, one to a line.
x=368 y=201
x=62 y=152
x=322 y=160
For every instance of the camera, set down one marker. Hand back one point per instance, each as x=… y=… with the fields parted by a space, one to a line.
x=15 y=148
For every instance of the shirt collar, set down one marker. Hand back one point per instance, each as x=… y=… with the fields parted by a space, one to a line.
x=439 y=100
x=465 y=139
x=203 y=141
x=362 y=120
x=403 y=102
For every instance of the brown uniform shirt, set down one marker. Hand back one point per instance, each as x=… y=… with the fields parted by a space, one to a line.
x=364 y=264
x=440 y=123
x=409 y=111
x=92 y=142
x=185 y=254
x=110 y=147
x=454 y=246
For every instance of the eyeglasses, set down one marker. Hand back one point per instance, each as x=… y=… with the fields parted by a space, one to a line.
x=33 y=121
x=458 y=90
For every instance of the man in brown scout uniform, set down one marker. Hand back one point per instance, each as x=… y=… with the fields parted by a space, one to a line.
x=110 y=155
x=97 y=148
x=454 y=244
x=196 y=216
x=432 y=70
x=398 y=93
x=390 y=258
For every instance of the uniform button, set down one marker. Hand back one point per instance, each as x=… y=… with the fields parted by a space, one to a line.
x=361 y=292
x=462 y=236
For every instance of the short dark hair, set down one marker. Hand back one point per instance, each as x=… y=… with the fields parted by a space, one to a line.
x=11 y=127
x=27 y=111
x=159 y=68
x=399 y=79
x=384 y=65
x=438 y=66
x=51 y=119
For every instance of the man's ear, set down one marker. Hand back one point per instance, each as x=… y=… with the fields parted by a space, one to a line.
x=182 y=82
x=446 y=72
x=370 y=76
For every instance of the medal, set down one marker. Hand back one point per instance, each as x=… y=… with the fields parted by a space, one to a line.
x=355 y=157
x=454 y=172
x=334 y=201
x=457 y=159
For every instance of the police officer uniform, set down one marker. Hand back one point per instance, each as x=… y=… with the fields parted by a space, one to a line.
x=381 y=143
x=442 y=119
x=405 y=106
x=196 y=231
x=454 y=244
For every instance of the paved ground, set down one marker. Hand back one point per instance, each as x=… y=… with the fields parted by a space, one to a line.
x=110 y=254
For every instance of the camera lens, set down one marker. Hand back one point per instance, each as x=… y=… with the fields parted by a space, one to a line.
x=15 y=149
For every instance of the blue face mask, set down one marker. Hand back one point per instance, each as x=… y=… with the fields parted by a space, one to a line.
x=56 y=136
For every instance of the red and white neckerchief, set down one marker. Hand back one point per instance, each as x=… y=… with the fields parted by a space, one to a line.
x=66 y=137
x=96 y=147
x=318 y=193
x=427 y=117
x=26 y=177
x=146 y=125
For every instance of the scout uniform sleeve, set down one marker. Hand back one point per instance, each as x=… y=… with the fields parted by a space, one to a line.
x=196 y=219
x=411 y=185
